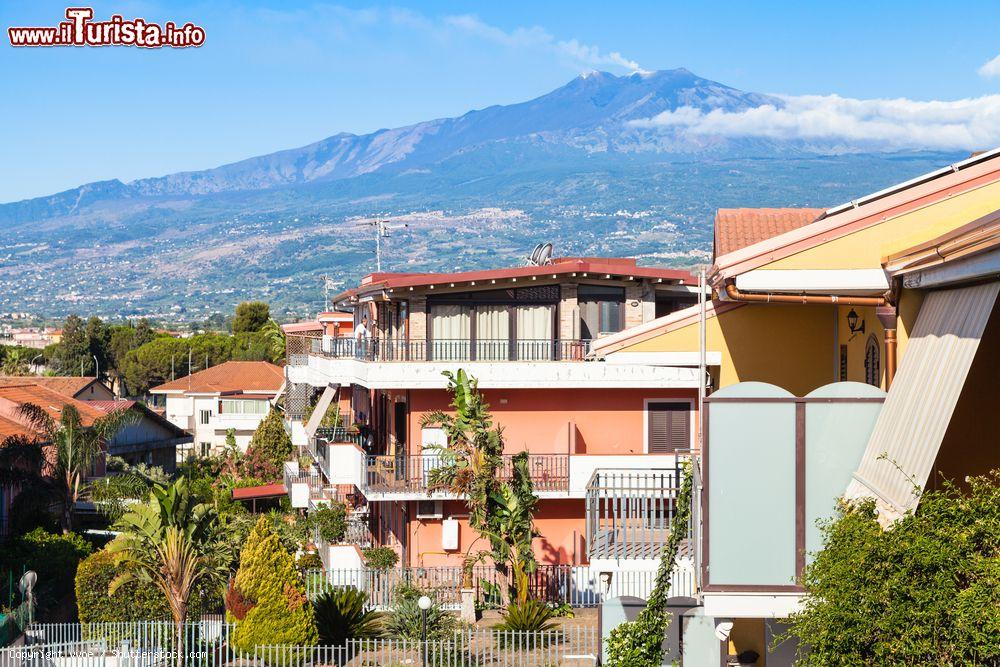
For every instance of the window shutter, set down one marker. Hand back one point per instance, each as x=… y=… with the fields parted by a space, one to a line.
x=669 y=427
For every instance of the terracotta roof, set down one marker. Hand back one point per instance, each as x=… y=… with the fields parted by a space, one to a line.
x=737 y=228
x=597 y=266
x=52 y=402
x=10 y=428
x=862 y=213
x=119 y=404
x=64 y=384
x=252 y=377
x=265 y=491
x=301 y=326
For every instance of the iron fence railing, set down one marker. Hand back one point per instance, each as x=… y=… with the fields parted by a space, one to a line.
x=575 y=585
x=420 y=473
x=438 y=349
x=629 y=513
x=149 y=643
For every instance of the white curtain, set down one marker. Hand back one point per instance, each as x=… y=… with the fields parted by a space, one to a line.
x=492 y=333
x=534 y=333
x=450 y=332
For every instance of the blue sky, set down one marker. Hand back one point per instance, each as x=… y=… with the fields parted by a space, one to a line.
x=277 y=75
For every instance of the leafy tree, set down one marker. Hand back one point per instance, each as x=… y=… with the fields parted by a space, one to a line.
x=270 y=441
x=77 y=447
x=267 y=580
x=331 y=522
x=16 y=360
x=171 y=542
x=924 y=592
x=380 y=557
x=54 y=557
x=342 y=614
x=274 y=339
x=639 y=643
x=72 y=353
x=502 y=512
x=98 y=342
x=251 y=316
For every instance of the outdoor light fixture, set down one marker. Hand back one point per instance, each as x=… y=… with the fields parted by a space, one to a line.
x=853 y=323
x=424 y=603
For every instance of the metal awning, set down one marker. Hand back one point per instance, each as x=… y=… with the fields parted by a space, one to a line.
x=325 y=399
x=907 y=436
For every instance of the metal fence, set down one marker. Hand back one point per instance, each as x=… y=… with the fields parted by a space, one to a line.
x=438 y=349
x=417 y=473
x=630 y=512
x=575 y=585
x=14 y=622
x=151 y=643
x=70 y=654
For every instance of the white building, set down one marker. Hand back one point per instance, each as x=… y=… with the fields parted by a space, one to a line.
x=235 y=395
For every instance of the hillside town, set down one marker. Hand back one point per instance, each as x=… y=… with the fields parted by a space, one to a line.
x=786 y=455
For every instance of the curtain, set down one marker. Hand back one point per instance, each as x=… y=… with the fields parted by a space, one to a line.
x=534 y=333
x=492 y=333
x=450 y=332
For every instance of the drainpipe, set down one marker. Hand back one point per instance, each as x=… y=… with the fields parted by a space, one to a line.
x=735 y=294
x=887 y=317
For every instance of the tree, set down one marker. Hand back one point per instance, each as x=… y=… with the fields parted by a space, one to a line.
x=171 y=542
x=270 y=441
x=15 y=360
x=251 y=316
x=77 y=447
x=72 y=353
x=275 y=604
x=926 y=591
x=22 y=466
x=98 y=342
x=274 y=339
x=500 y=511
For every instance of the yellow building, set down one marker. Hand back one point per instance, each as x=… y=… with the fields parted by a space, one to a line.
x=852 y=352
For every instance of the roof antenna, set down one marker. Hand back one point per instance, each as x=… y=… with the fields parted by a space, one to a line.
x=541 y=255
x=381 y=227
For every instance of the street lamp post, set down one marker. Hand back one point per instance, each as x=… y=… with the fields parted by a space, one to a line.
x=424 y=603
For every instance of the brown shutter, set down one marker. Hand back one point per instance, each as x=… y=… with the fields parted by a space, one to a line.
x=669 y=427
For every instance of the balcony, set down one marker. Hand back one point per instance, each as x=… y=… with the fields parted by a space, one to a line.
x=442 y=350
x=417 y=474
x=630 y=512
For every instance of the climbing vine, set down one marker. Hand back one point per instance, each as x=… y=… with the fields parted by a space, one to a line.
x=639 y=643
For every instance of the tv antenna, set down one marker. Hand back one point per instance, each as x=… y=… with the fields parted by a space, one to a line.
x=541 y=255
x=381 y=227
x=327 y=284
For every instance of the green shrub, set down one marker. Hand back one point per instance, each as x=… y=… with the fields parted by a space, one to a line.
x=331 y=521
x=54 y=557
x=405 y=619
x=310 y=561
x=342 y=614
x=270 y=441
x=134 y=601
x=267 y=578
x=527 y=616
x=380 y=558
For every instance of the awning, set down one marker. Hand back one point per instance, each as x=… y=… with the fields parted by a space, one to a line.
x=325 y=399
x=917 y=411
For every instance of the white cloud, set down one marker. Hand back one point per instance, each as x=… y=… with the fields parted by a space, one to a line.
x=991 y=68
x=581 y=55
x=972 y=123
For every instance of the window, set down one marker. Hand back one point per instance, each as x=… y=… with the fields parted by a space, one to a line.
x=873 y=370
x=204 y=416
x=243 y=406
x=205 y=448
x=669 y=427
x=602 y=310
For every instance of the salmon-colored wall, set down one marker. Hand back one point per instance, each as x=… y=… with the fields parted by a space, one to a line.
x=606 y=421
x=560 y=523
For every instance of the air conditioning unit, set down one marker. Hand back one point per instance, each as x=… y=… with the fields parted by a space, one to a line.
x=430 y=509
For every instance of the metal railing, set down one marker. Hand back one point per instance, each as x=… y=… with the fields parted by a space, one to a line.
x=421 y=473
x=438 y=349
x=575 y=585
x=149 y=643
x=629 y=513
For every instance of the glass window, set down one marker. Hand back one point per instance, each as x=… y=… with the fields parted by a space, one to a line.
x=534 y=333
x=450 y=332
x=602 y=310
x=204 y=416
x=243 y=406
x=492 y=333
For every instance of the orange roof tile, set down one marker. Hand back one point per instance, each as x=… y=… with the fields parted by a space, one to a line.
x=52 y=402
x=63 y=384
x=9 y=428
x=737 y=228
x=259 y=377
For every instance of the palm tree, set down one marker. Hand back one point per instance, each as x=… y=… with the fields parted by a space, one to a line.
x=77 y=448
x=274 y=338
x=170 y=541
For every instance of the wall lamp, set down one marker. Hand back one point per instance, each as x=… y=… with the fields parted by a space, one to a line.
x=855 y=324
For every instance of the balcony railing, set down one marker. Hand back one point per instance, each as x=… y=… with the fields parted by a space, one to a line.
x=450 y=349
x=630 y=513
x=423 y=472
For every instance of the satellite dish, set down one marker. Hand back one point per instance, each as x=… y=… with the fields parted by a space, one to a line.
x=535 y=254
x=545 y=256
x=27 y=582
